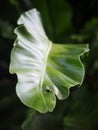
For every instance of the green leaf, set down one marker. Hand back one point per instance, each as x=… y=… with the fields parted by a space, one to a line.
x=44 y=69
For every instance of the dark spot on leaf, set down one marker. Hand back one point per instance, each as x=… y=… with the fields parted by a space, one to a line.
x=48 y=90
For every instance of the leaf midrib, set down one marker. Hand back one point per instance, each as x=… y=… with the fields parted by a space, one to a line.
x=46 y=53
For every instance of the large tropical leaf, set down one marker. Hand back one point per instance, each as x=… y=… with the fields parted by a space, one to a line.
x=44 y=69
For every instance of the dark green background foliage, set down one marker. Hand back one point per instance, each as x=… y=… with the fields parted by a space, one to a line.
x=66 y=21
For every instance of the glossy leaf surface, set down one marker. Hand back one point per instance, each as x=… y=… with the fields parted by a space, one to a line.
x=44 y=69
